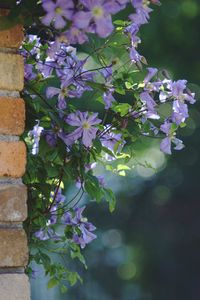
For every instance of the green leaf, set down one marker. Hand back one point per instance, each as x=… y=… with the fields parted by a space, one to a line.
x=121 y=167
x=122 y=108
x=110 y=198
x=52 y=283
x=97 y=144
x=63 y=289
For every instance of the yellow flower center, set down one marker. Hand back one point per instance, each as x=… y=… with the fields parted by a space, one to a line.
x=86 y=125
x=58 y=10
x=64 y=92
x=97 y=12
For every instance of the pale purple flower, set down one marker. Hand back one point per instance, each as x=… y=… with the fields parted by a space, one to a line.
x=67 y=219
x=101 y=180
x=85 y=124
x=85 y=227
x=28 y=72
x=51 y=138
x=150 y=105
x=177 y=88
x=151 y=73
x=142 y=12
x=60 y=198
x=44 y=234
x=57 y=12
x=108 y=99
x=98 y=12
x=134 y=55
x=35 y=134
x=180 y=112
x=113 y=142
x=178 y=143
x=53 y=215
x=165 y=145
x=76 y=36
x=166 y=127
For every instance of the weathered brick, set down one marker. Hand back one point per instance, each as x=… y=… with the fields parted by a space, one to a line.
x=13 y=248
x=11 y=72
x=12 y=159
x=14 y=287
x=13 y=37
x=13 y=206
x=12 y=116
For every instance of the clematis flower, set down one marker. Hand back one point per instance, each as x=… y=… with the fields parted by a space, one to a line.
x=180 y=112
x=150 y=104
x=85 y=236
x=108 y=99
x=142 y=12
x=82 y=229
x=76 y=36
x=35 y=134
x=57 y=12
x=85 y=130
x=62 y=93
x=99 y=12
x=151 y=73
x=165 y=145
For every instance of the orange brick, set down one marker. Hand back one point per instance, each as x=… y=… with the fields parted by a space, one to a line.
x=11 y=72
x=13 y=37
x=13 y=248
x=12 y=116
x=12 y=159
x=13 y=206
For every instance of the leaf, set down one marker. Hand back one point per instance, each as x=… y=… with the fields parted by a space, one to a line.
x=110 y=198
x=122 y=108
x=97 y=144
x=92 y=188
x=121 y=167
x=52 y=283
x=63 y=289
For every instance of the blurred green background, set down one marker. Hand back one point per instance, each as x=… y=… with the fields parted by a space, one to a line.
x=148 y=249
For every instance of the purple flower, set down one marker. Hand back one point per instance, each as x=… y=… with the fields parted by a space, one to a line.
x=51 y=138
x=108 y=99
x=151 y=73
x=82 y=229
x=180 y=112
x=165 y=145
x=53 y=216
x=113 y=141
x=85 y=130
x=67 y=219
x=142 y=12
x=35 y=134
x=166 y=127
x=76 y=36
x=101 y=180
x=28 y=72
x=134 y=55
x=150 y=104
x=57 y=12
x=98 y=12
x=60 y=198
x=46 y=234
x=85 y=236
x=177 y=88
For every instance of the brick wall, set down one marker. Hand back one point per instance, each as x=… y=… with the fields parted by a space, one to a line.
x=14 y=284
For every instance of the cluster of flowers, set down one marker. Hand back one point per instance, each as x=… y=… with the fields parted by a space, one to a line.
x=80 y=229
x=74 y=21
